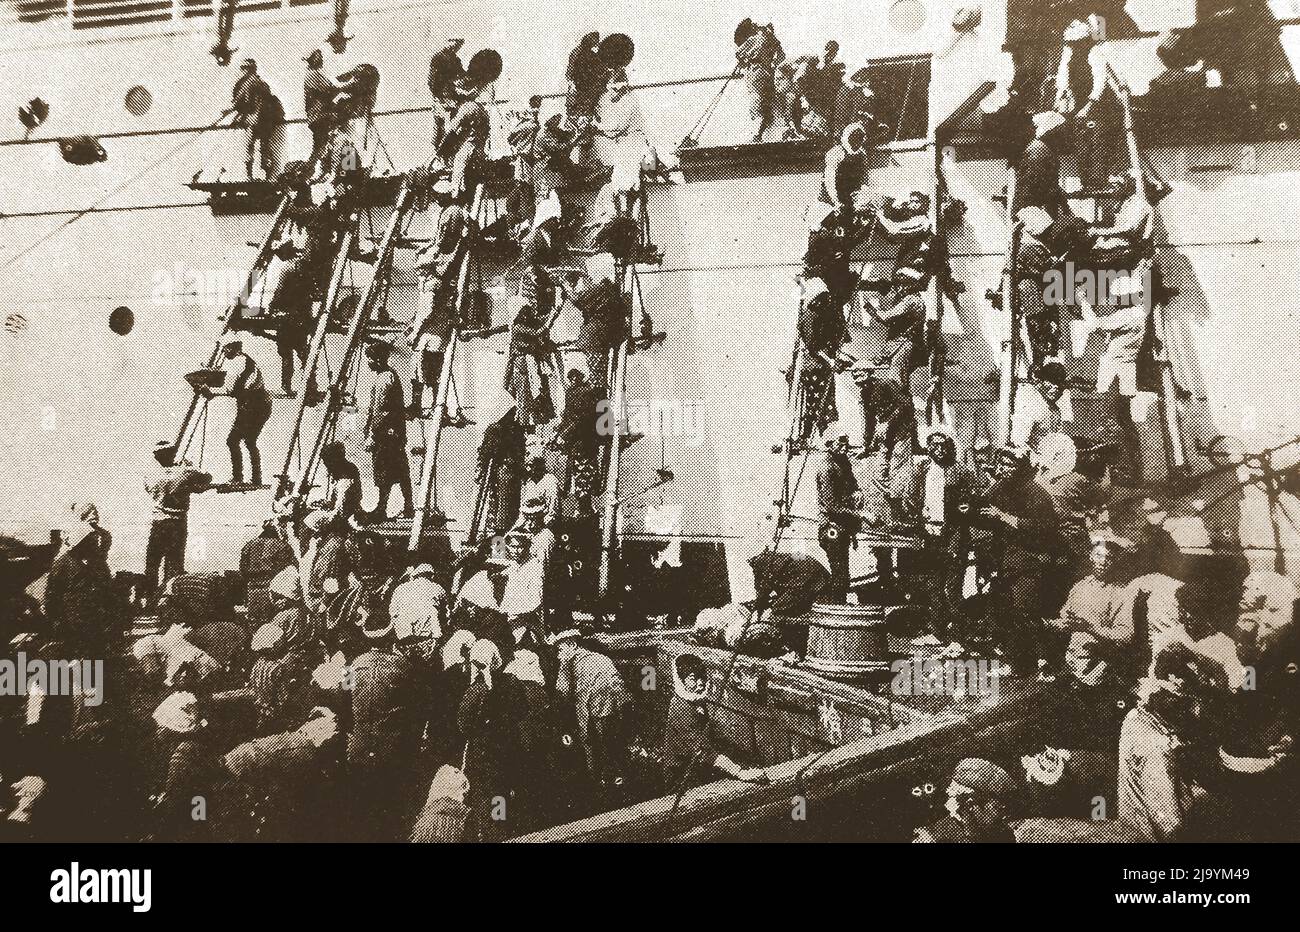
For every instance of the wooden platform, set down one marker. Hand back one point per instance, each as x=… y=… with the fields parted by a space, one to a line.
x=241 y=198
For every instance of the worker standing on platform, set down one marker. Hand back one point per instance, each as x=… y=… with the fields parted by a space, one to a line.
x=170 y=487
x=837 y=501
x=542 y=486
x=259 y=111
x=342 y=500
x=501 y=460
x=318 y=101
x=385 y=431
x=1038 y=171
x=587 y=75
x=577 y=438
x=445 y=71
x=1042 y=409
x=243 y=382
x=758 y=54
x=1026 y=543
x=438 y=268
x=943 y=489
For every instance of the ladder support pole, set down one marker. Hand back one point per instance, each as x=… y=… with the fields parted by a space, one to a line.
x=257 y=269
x=426 y=496
x=313 y=355
x=608 y=533
x=1010 y=301
x=1174 y=436
x=429 y=469
x=353 y=339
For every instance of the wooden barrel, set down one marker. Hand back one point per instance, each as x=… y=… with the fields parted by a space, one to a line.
x=847 y=640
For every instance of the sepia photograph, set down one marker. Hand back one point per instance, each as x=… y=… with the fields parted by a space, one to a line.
x=471 y=421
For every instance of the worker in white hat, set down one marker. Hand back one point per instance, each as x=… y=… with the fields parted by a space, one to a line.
x=418 y=609
x=1102 y=603
x=242 y=380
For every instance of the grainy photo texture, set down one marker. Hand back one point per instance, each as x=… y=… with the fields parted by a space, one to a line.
x=475 y=421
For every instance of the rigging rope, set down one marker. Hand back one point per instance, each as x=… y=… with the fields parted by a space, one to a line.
x=94 y=207
x=787 y=499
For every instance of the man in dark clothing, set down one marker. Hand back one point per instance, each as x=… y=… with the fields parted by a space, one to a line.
x=1038 y=171
x=979 y=798
x=243 y=381
x=82 y=605
x=293 y=302
x=829 y=256
x=942 y=492
x=261 y=113
x=587 y=75
x=385 y=431
x=577 y=437
x=170 y=487
x=318 y=101
x=787 y=584
x=1260 y=767
x=1026 y=545
x=604 y=325
x=837 y=497
x=446 y=71
x=384 y=739
x=822 y=333
x=260 y=561
x=690 y=749
x=501 y=466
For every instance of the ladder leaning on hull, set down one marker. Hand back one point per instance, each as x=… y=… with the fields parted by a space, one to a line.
x=185 y=433
x=314 y=353
x=1175 y=439
x=639 y=335
x=426 y=492
x=336 y=393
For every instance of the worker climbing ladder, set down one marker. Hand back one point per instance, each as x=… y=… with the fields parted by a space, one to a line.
x=337 y=395
x=193 y=425
x=426 y=490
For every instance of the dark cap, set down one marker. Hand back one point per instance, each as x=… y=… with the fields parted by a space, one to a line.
x=983 y=777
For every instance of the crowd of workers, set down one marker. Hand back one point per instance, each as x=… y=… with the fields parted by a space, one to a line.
x=343 y=684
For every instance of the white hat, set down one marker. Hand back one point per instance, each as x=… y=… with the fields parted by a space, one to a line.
x=526 y=667
x=565 y=635
x=421 y=569
x=813 y=288
x=457 y=647
x=267 y=637
x=850 y=130
x=449 y=782
x=286 y=583
x=79 y=522
x=179 y=713
x=1107 y=536
x=1035 y=220
x=1047 y=121
x=939 y=430
x=549 y=209
x=1077 y=31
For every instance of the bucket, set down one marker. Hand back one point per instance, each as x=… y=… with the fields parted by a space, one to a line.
x=847 y=641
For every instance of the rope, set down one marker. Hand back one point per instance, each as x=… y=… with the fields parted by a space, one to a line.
x=760 y=607
x=694 y=135
x=118 y=189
